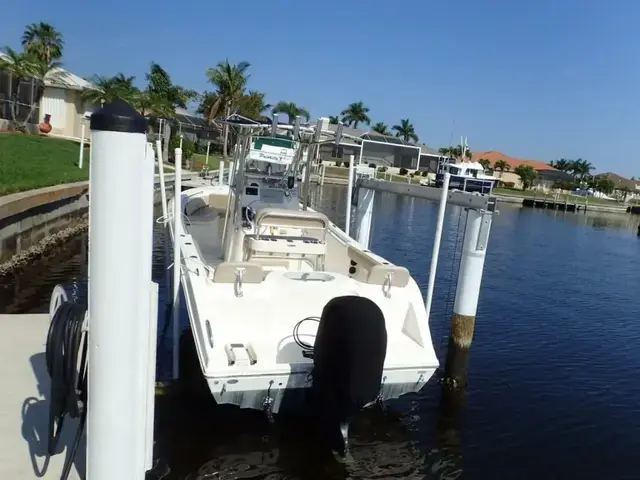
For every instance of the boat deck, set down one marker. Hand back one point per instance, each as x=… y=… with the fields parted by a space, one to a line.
x=24 y=406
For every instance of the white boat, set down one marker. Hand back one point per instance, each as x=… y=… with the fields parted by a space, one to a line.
x=283 y=305
x=466 y=176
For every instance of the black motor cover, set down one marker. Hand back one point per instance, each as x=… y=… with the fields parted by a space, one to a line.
x=349 y=353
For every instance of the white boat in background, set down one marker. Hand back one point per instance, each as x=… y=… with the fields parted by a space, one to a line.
x=466 y=176
x=284 y=307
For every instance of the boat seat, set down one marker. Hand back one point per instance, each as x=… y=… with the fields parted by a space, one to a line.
x=227 y=272
x=373 y=272
x=216 y=203
x=398 y=276
x=283 y=218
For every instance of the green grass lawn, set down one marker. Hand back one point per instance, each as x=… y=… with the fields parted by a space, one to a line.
x=198 y=160
x=31 y=161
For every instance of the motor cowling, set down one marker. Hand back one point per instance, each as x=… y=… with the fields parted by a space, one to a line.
x=348 y=359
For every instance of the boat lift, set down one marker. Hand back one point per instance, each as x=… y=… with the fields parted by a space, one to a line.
x=121 y=320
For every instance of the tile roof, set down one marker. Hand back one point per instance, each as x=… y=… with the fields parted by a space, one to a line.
x=620 y=181
x=493 y=156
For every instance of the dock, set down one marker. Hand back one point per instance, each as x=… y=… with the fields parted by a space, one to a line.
x=24 y=406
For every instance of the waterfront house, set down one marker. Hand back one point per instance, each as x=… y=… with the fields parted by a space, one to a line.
x=62 y=99
x=547 y=175
x=381 y=150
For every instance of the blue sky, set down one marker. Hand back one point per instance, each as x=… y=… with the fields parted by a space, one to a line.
x=538 y=80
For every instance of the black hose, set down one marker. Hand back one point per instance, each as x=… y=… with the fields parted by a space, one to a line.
x=66 y=357
x=307 y=348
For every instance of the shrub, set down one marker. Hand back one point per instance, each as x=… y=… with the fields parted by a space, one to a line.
x=403 y=171
x=425 y=174
x=412 y=174
x=382 y=169
x=507 y=184
x=338 y=163
x=188 y=148
x=345 y=164
x=372 y=165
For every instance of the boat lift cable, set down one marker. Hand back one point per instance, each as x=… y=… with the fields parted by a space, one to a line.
x=449 y=304
x=66 y=359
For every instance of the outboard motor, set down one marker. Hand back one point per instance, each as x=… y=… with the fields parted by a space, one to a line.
x=348 y=360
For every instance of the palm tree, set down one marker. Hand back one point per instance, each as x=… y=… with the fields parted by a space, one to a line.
x=160 y=86
x=110 y=89
x=291 y=110
x=334 y=120
x=354 y=114
x=405 y=131
x=148 y=102
x=581 y=168
x=252 y=105
x=563 y=164
x=20 y=67
x=381 y=128
x=43 y=41
x=502 y=166
x=485 y=162
x=230 y=81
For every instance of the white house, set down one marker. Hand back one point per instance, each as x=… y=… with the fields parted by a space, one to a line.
x=62 y=99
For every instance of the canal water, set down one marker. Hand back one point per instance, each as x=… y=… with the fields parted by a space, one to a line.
x=552 y=376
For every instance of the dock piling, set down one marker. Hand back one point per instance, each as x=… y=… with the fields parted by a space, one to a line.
x=177 y=261
x=364 y=216
x=474 y=249
x=120 y=251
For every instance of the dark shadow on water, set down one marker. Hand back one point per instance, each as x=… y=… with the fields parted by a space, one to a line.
x=207 y=442
x=35 y=425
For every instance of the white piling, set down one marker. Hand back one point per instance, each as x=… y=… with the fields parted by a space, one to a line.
x=324 y=169
x=221 y=173
x=474 y=251
x=152 y=348
x=177 y=262
x=82 y=133
x=120 y=249
x=436 y=243
x=163 y=191
x=347 y=224
x=206 y=159
x=181 y=136
x=364 y=216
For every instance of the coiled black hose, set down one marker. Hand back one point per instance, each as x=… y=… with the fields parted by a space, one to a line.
x=66 y=357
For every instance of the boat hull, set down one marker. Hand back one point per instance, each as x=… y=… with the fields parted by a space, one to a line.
x=289 y=393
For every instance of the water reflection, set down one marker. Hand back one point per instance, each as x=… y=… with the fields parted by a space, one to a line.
x=238 y=444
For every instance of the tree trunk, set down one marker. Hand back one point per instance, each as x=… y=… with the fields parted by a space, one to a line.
x=227 y=113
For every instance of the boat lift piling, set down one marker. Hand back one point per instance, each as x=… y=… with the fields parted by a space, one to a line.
x=463 y=320
x=480 y=209
x=177 y=262
x=221 y=173
x=121 y=295
x=347 y=218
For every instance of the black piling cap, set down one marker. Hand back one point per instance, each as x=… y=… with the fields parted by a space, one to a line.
x=118 y=116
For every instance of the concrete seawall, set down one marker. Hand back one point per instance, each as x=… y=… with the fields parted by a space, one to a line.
x=33 y=222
